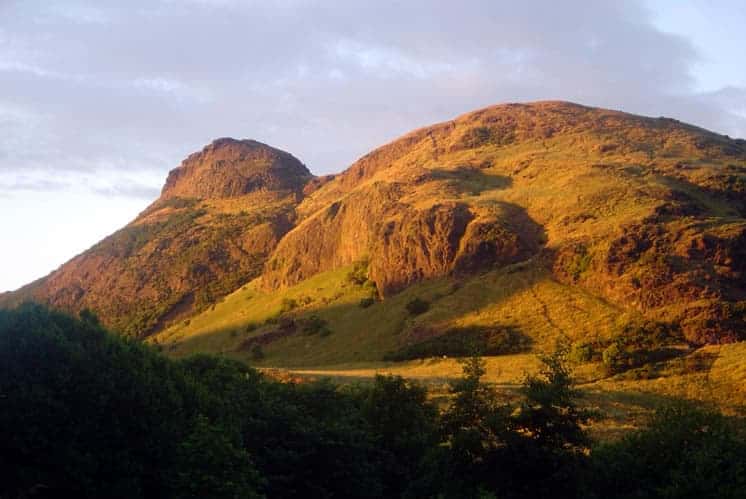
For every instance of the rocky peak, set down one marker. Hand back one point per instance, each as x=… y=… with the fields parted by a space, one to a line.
x=230 y=168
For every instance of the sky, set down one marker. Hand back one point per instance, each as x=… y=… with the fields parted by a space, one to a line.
x=100 y=99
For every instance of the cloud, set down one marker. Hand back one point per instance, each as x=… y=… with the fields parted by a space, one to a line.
x=110 y=184
x=111 y=90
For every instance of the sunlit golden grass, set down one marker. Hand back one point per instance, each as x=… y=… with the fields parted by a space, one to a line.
x=523 y=296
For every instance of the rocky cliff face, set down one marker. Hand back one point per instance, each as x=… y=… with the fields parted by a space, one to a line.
x=646 y=213
x=230 y=168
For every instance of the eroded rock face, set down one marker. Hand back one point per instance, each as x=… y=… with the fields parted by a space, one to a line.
x=685 y=273
x=230 y=168
x=403 y=243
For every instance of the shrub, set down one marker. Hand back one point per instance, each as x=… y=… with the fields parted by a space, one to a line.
x=581 y=352
x=251 y=326
x=257 y=353
x=462 y=342
x=482 y=135
x=685 y=451
x=314 y=325
x=639 y=343
x=359 y=273
x=288 y=304
x=580 y=262
x=614 y=358
x=417 y=306
x=367 y=302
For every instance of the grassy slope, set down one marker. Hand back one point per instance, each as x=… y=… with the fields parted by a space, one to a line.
x=521 y=296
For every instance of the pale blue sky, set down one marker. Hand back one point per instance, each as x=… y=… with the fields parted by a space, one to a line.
x=99 y=99
x=716 y=30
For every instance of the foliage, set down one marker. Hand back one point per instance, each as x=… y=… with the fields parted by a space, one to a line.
x=580 y=352
x=83 y=411
x=638 y=343
x=461 y=342
x=482 y=135
x=87 y=414
x=211 y=465
x=314 y=324
x=417 y=306
x=686 y=451
x=367 y=302
x=404 y=425
x=288 y=304
x=359 y=273
x=549 y=413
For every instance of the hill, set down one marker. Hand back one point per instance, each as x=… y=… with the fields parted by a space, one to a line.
x=221 y=212
x=550 y=220
x=515 y=225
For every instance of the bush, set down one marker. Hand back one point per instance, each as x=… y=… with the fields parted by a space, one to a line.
x=580 y=352
x=639 y=343
x=288 y=305
x=482 y=135
x=417 y=306
x=257 y=353
x=462 y=342
x=614 y=358
x=367 y=302
x=685 y=452
x=313 y=325
x=359 y=273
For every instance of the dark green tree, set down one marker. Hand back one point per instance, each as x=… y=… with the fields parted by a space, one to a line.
x=685 y=452
x=404 y=427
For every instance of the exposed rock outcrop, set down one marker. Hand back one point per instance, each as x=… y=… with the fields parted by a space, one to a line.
x=230 y=168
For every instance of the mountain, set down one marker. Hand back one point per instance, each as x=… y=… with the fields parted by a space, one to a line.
x=623 y=217
x=220 y=213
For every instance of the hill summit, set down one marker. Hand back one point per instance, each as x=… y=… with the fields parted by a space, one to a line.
x=644 y=214
x=230 y=168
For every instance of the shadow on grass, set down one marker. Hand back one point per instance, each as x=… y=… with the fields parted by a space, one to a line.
x=495 y=339
x=470 y=180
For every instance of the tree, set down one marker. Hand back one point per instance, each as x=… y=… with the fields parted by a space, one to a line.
x=404 y=426
x=549 y=414
x=546 y=443
x=473 y=430
x=209 y=464
x=685 y=452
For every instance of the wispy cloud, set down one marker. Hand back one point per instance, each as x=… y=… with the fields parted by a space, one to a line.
x=94 y=88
